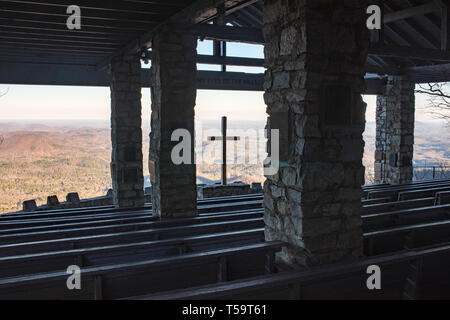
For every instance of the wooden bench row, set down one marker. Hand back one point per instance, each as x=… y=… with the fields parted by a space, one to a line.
x=209 y=204
x=413 y=274
x=422 y=193
x=16 y=246
x=386 y=186
x=147 y=206
x=203 y=208
x=377 y=221
x=62 y=222
x=406 y=237
x=31 y=263
x=393 y=192
x=371 y=222
x=146 y=276
x=378 y=242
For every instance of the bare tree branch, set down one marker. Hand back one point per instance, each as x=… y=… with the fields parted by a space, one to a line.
x=4 y=93
x=438 y=95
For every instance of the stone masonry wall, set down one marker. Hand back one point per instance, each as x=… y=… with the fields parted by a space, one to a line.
x=234 y=189
x=126 y=133
x=395 y=132
x=315 y=54
x=174 y=79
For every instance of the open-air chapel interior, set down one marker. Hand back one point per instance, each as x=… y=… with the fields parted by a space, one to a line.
x=314 y=229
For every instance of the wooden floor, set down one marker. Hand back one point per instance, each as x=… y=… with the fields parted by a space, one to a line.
x=221 y=254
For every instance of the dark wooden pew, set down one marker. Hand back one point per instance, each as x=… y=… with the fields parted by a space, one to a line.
x=124 y=253
x=386 y=186
x=406 y=195
x=398 y=205
x=120 y=227
x=16 y=247
x=20 y=226
x=163 y=229
x=393 y=192
x=60 y=218
x=147 y=206
x=151 y=275
x=442 y=197
x=406 y=237
x=371 y=222
x=203 y=208
x=339 y=281
x=377 y=242
x=61 y=224
x=378 y=221
x=375 y=201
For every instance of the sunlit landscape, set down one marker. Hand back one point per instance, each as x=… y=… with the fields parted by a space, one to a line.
x=38 y=159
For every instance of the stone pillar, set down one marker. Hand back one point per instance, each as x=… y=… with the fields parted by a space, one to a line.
x=174 y=90
x=395 y=132
x=315 y=53
x=126 y=133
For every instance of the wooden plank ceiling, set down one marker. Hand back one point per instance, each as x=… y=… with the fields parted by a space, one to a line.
x=35 y=31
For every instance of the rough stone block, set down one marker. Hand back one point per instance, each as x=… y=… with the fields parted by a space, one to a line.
x=316 y=194
x=256 y=186
x=29 y=205
x=52 y=201
x=73 y=197
x=148 y=191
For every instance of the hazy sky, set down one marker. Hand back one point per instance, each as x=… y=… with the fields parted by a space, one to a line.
x=93 y=103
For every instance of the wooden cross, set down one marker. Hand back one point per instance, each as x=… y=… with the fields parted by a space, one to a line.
x=224 y=140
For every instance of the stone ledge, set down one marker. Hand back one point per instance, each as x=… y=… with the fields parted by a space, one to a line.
x=85 y=203
x=218 y=190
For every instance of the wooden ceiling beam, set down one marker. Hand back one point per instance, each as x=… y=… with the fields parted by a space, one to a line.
x=409 y=52
x=197 y=12
x=410 y=12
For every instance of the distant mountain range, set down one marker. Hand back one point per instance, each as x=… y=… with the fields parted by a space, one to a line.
x=41 y=159
x=28 y=144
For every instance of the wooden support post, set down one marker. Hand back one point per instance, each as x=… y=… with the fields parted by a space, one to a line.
x=222 y=273
x=413 y=280
x=445 y=24
x=98 y=289
x=444 y=29
x=270 y=262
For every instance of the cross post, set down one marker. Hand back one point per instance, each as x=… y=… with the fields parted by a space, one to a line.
x=224 y=140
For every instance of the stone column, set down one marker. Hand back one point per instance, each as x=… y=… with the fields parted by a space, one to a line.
x=395 y=132
x=174 y=89
x=126 y=133
x=315 y=54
